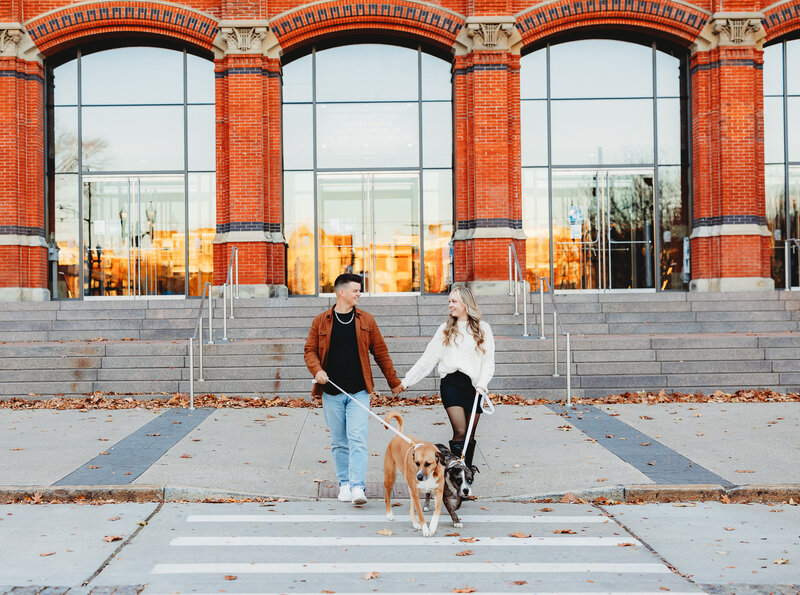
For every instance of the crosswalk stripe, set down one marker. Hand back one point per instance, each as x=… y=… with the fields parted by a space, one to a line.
x=381 y=518
x=481 y=593
x=407 y=568
x=403 y=541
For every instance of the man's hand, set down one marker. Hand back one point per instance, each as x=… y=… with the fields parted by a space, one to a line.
x=321 y=377
x=398 y=389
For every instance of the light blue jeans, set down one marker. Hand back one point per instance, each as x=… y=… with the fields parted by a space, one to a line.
x=348 y=424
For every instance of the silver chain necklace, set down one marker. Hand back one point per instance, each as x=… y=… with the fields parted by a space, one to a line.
x=335 y=313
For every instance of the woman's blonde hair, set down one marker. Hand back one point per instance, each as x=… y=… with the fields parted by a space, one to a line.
x=473 y=318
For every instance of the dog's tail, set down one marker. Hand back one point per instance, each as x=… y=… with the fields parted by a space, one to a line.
x=394 y=415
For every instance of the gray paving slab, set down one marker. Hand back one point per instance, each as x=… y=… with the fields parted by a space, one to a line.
x=735 y=440
x=62 y=544
x=41 y=446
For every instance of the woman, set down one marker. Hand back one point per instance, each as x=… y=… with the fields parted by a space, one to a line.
x=463 y=348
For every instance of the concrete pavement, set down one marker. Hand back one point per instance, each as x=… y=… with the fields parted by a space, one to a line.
x=681 y=451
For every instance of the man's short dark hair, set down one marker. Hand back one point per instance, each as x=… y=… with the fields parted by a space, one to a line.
x=344 y=279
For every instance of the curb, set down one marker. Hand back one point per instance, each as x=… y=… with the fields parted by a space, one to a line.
x=634 y=493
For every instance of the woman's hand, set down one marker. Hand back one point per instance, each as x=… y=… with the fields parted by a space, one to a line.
x=321 y=377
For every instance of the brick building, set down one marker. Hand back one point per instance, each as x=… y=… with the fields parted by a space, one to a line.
x=616 y=144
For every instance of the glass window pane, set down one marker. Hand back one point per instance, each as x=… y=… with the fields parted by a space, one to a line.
x=601 y=68
x=199 y=79
x=775 y=195
x=298 y=137
x=437 y=216
x=132 y=75
x=669 y=131
x=132 y=138
x=162 y=229
x=536 y=223
x=533 y=75
x=437 y=134
x=297 y=80
x=793 y=117
x=674 y=220
x=773 y=129
x=67 y=228
x=65 y=84
x=298 y=227
x=367 y=72
x=668 y=75
x=534 y=133
x=202 y=229
x=65 y=139
x=602 y=132
x=436 y=78
x=773 y=69
x=368 y=135
x=793 y=67
x=201 y=138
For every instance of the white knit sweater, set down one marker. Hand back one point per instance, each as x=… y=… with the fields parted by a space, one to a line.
x=460 y=355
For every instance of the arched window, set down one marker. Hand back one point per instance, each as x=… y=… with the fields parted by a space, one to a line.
x=131 y=171
x=605 y=165
x=782 y=158
x=367 y=161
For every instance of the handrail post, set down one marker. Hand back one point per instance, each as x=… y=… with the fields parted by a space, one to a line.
x=516 y=291
x=191 y=373
x=231 y=299
x=236 y=271
x=787 y=266
x=210 y=318
x=510 y=274
x=569 y=376
x=541 y=308
x=525 y=294
x=224 y=318
x=555 y=343
x=200 y=352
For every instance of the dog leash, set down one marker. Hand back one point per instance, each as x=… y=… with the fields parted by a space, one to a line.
x=380 y=419
x=488 y=410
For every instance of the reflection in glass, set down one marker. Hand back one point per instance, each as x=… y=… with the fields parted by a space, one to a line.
x=298 y=226
x=132 y=75
x=775 y=203
x=773 y=69
x=367 y=135
x=436 y=78
x=65 y=84
x=794 y=224
x=533 y=76
x=199 y=79
x=536 y=224
x=437 y=215
x=298 y=137
x=133 y=138
x=394 y=246
x=367 y=72
x=201 y=138
x=601 y=68
x=297 y=80
x=674 y=220
x=793 y=117
x=66 y=226
x=669 y=131
x=65 y=140
x=437 y=134
x=202 y=229
x=602 y=132
x=630 y=230
x=668 y=80
x=577 y=217
x=792 y=67
x=773 y=130
x=534 y=138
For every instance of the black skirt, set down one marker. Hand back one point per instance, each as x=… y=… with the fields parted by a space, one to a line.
x=457 y=391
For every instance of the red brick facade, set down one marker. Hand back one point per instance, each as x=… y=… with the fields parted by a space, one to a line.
x=485 y=38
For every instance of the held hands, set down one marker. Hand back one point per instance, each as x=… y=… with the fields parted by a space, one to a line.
x=321 y=377
x=398 y=389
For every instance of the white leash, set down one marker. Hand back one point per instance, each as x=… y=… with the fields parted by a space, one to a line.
x=380 y=419
x=488 y=409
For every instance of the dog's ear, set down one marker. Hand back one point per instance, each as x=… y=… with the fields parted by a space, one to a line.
x=440 y=457
x=474 y=469
x=442 y=448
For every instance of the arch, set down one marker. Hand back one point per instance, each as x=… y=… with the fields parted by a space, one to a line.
x=781 y=19
x=676 y=21
x=423 y=21
x=60 y=28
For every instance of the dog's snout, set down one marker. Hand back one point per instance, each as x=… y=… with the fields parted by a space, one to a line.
x=420 y=476
x=465 y=491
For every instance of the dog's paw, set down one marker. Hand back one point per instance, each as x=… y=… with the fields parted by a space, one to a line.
x=426 y=508
x=389 y=516
x=458 y=525
x=416 y=526
x=426 y=532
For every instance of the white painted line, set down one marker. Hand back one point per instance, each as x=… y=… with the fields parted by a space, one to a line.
x=403 y=541
x=406 y=568
x=381 y=518
x=698 y=592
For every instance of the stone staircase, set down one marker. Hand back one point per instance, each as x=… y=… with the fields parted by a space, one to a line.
x=621 y=342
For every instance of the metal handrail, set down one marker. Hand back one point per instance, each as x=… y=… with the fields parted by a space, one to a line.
x=787 y=273
x=556 y=324
x=232 y=271
x=515 y=271
x=198 y=334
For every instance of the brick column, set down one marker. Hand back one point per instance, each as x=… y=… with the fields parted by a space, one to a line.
x=488 y=208
x=23 y=249
x=247 y=91
x=730 y=238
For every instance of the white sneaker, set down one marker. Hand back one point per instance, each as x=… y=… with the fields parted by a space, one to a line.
x=359 y=497
x=345 y=495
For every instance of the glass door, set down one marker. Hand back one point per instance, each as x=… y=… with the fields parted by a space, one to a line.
x=134 y=236
x=603 y=229
x=368 y=224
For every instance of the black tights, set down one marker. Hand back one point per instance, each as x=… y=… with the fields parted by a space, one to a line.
x=459 y=420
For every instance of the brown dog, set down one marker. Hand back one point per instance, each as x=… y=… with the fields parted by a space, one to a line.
x=422 y=466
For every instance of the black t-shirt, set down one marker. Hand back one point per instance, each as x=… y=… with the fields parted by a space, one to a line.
x=344 y=364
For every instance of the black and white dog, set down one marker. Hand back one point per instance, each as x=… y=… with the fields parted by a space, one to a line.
x=457 y=485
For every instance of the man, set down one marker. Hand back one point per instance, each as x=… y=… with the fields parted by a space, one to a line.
x=338 y=348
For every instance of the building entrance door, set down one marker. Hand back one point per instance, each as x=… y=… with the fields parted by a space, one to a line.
x=134 y=236
x=369 y=224
x=603 y=229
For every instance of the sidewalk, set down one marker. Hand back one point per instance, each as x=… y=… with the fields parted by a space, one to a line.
x=684 y=451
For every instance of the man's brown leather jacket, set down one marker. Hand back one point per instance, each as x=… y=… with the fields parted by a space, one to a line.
x=369 y=340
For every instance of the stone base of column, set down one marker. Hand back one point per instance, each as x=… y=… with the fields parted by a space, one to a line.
x=732 y=284
x=24 y=294
x=256 y=291
x=488 y=287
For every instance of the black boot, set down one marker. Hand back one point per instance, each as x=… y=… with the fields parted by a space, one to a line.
x=470 y=453
x=457 y=447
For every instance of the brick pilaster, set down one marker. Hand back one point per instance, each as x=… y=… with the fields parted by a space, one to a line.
x=730 y=239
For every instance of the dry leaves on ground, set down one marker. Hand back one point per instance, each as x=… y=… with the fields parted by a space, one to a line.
x=520 y=535
x=465 y=553
x=464 y=590
x=371 y=575
x=563 y=531
x=230 y=577
x=110 y=538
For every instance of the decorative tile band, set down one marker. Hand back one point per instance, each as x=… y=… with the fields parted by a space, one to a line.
x=495 y=222
x=22 y=75
x=21 y=230
x=726 y=62
x=247 y=70
x=729 y=220
x=479 y=68
x=233 y=226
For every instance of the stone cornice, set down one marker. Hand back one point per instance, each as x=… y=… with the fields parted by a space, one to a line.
x=242 y=37
x=489 y=33
x=731 y=29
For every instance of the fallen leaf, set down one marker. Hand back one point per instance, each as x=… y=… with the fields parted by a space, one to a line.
x=186 y=456
x=467 y=539
x=563 y=531
x=103 y=453
x=16 y=449
x=322 y=460
x=745 y=471
x=652 y=463
x=385 y=532
x=46 y=554
x=484 y=508
x=519 y=582
x=645 y=417
x=626 y=544
x=371 y=575
x=663 y=588
x=781 y=561
x=609 y=435
x=114 y=518
x=602 y=479
x=128 y=473
x=464 y=590
x=452 y=534
x=725 y=499
x=645 y=444
x=156 y=434
x=464 y=553
x=230 y=577
x=520 y=535
x=110 y=538
x=568 y=498
x=37 y=498
x=94 y=466
x=730 y=529
x=324 y=591
x=545 y=509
